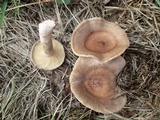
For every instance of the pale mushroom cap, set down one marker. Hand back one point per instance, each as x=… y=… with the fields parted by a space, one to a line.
x=98 y=38
x=42 y=61
x=94 y=84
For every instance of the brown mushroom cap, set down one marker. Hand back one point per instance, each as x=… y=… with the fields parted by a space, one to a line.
x=98 y=38
x=94 y=84
x=43 y=61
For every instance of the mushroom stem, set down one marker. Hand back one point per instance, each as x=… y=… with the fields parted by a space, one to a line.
x=48 y=48
x=45 y=33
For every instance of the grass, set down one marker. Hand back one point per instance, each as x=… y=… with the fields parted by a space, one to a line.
x=158 y=2
x=63 y=2
x=3 y=9
x=27 y=93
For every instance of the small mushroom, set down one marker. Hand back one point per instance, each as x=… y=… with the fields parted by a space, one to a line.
x=94 y=84
x=47 y=53
x=98 y=38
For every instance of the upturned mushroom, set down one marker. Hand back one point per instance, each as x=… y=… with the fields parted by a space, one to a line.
x=93 y=83
x=98 y=38
x=47 y=53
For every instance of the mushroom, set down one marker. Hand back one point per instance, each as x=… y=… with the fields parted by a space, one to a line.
x=98 y=38
x=47 y=53
x=93 y=83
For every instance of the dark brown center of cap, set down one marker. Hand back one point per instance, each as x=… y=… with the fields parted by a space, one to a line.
x=99 y=83
x=100 y=41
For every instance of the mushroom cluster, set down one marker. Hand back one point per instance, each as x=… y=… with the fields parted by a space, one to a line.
x=99 y=44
